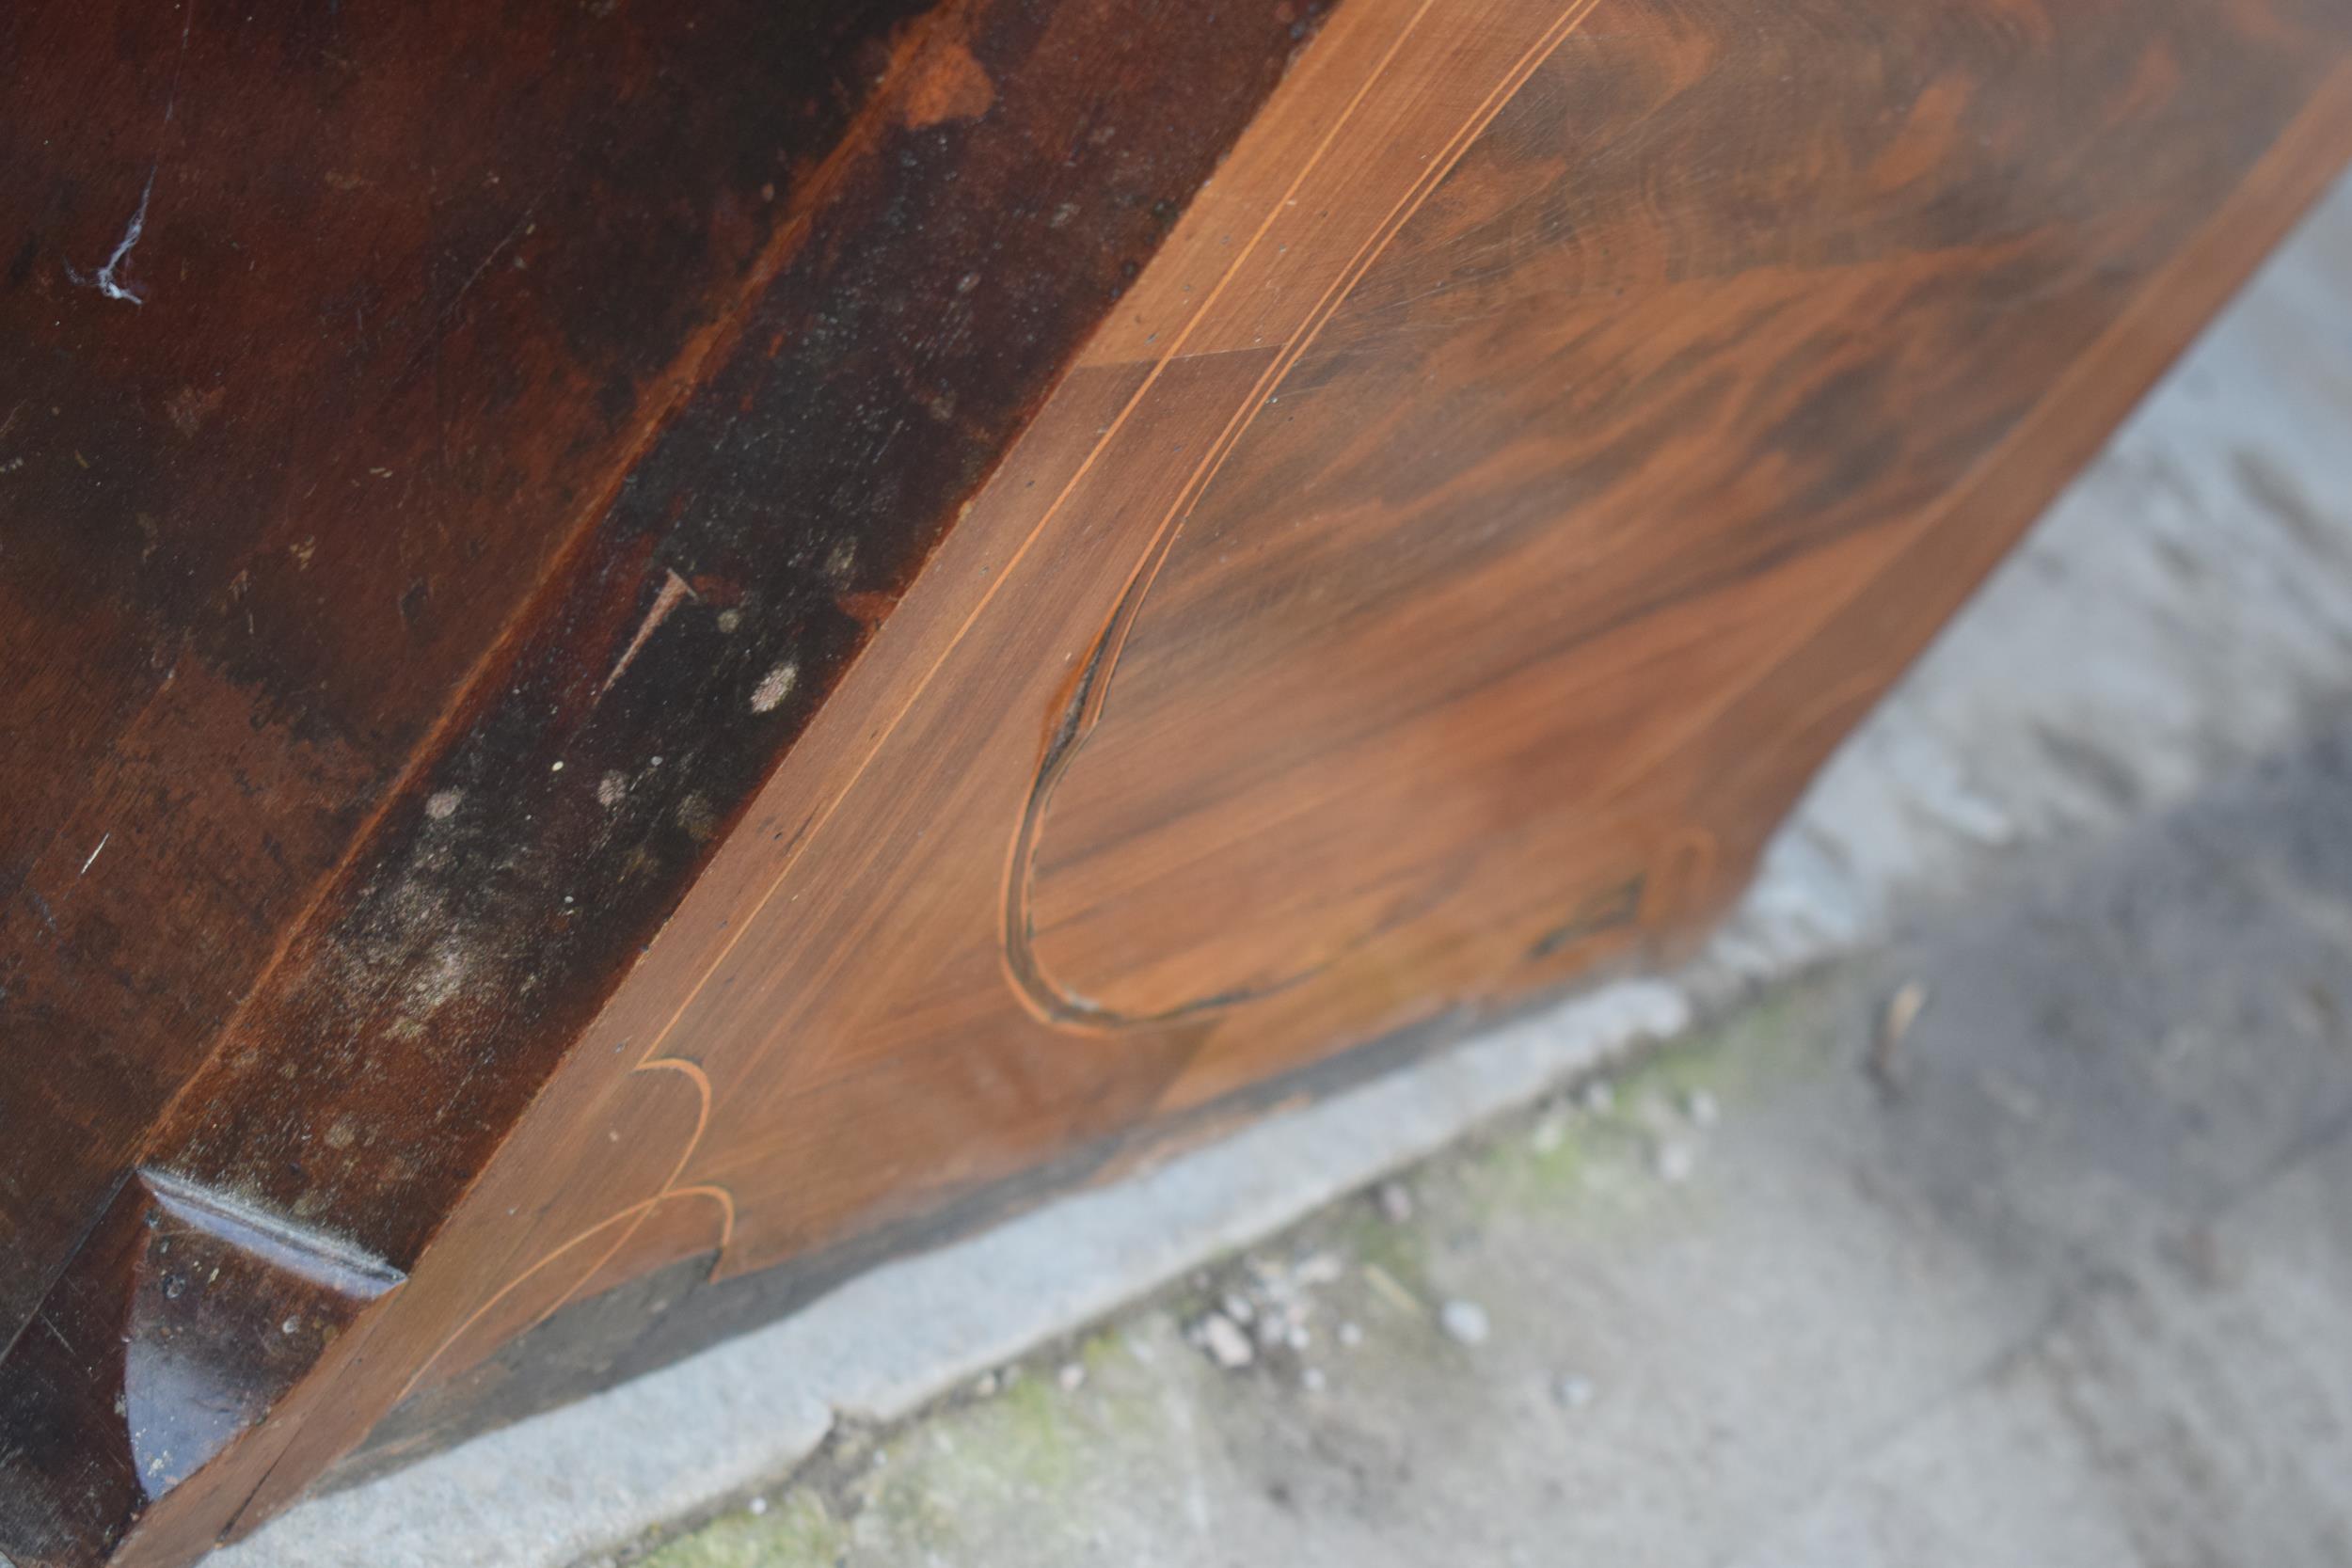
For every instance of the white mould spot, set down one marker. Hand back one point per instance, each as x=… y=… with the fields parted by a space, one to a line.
x=442 y=804
x=441 y=977
x=695 y=815
x=612 y=790
x=774 y=686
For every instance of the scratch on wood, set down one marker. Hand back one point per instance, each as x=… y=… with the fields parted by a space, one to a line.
x=673 y=589
x=53 y=1328
x=102 y=841
x=103 y=279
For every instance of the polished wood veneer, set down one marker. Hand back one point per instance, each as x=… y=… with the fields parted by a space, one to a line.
x=693 y=648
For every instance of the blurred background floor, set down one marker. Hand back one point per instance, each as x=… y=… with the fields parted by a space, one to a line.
x=2002 y=1214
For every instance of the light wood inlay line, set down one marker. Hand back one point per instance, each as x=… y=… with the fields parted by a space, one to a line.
x=637 y=1213
x=988 y=597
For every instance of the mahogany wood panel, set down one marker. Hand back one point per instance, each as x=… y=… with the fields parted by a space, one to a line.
x=1033 y=724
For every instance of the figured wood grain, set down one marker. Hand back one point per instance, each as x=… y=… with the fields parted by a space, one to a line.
x=1337 y=818
x=1501 y=492
x=1002 y=680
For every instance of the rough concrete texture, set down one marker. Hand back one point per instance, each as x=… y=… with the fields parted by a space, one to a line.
x=2057 y=1296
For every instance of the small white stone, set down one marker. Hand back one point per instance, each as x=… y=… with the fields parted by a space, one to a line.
x=1350 y=1336
x=1598 y=1097
x=1396 y=1202
x=1072 y=1378
x=1675 y=1161
x=1323 y=1268
x=1701 y=1108
x=1574 y=1393
x=986 y=1387
x=1311 y=1380
x=1238 y=1307
x=1227 y=1345
x=1464 y=1322
x=759 y=1505
x=1548 y=1135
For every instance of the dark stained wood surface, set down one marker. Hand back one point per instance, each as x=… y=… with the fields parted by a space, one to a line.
x=497 y=434
x=394 y=313
x=1465 y=535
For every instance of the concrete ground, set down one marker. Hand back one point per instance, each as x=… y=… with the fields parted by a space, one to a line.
x=1996 y=1208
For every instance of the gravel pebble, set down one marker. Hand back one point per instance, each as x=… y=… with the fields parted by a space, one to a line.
x=1396 y=1202
x=1227 y=1345
x=1323 y=1268
x=1675 y=1161
x=1465 y=1321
